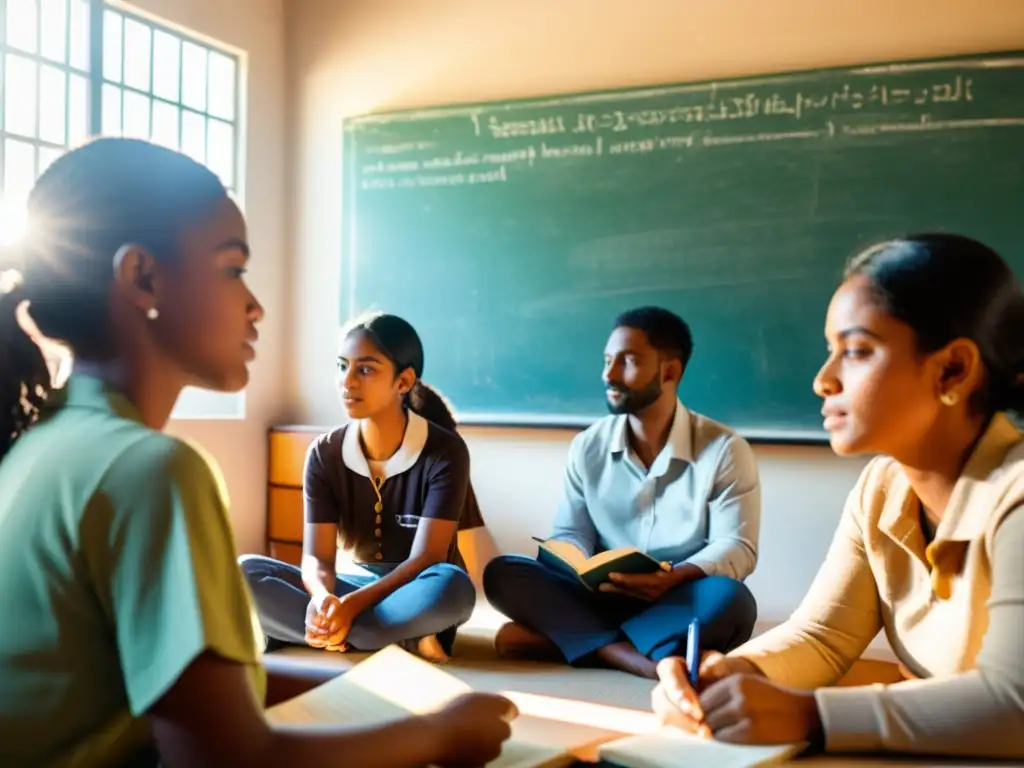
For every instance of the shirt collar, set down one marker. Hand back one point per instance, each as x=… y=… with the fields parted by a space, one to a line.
x=408 y=452
x=83 y=390
x=678 y=446
x=972 y=501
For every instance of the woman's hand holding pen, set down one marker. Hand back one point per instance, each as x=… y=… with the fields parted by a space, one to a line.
x=674 y=699
x=735 y=703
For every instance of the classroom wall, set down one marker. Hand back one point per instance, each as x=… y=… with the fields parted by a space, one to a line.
x=350 y=57
x=239 y=446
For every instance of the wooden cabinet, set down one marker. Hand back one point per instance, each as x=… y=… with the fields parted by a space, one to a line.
x=287 y=457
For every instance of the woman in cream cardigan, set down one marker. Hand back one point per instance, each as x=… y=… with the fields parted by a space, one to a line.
x=925 y=355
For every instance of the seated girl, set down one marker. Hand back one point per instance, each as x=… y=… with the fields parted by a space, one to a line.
x=390 y=486
x=926 y=355
x=128 y=634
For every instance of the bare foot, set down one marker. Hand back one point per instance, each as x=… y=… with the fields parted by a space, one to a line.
x=429 y=648
x=626 y=657
x=514 y=641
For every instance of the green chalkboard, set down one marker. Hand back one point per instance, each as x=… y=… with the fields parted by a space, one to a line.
x=511 y=234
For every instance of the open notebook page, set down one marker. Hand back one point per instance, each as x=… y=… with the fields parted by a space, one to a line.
x=391 y=685
x=671 y=748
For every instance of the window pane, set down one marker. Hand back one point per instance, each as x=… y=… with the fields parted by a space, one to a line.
x=166 y=65
x=46 y=157
x=80 y=34
x=112 y=46
x=136 y=115
x=78 y=108
x=193 y=135
x=136 y=54
x=53 y=42
x=19 y=175
x=220 y=151
x=19 y=171
x=222 y=85
x=193 y=76
x=12 y=220
x=20 y=96
x=165 y=124
x=111 y=118
x=52 y=104
x=22 y=30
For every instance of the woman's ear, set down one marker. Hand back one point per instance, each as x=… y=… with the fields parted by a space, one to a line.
x=406 y=380
x=136 y=276
x=960 y=368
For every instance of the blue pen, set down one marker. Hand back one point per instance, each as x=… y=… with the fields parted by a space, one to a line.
x=693 y=652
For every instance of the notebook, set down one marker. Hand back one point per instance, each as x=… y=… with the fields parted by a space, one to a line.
x=671 y=748
x=393 y=684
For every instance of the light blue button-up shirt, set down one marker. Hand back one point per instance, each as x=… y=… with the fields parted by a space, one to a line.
x=699 y=503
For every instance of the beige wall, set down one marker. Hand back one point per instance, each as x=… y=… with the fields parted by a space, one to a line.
x=353 y=57
x=239 y=446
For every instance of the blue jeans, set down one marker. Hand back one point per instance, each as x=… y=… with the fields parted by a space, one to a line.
x=580 y=622
x=436 y=602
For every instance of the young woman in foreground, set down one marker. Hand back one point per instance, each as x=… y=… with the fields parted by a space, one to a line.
x=926 y=354
x=391 y=487
x=128 y=635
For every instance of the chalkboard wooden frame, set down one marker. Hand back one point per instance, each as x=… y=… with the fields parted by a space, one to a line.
x=498 y=418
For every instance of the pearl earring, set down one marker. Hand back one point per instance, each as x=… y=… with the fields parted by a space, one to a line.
x=152 y=313
x=949 y=398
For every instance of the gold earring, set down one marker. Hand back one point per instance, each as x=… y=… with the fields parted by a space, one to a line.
x=949 y=398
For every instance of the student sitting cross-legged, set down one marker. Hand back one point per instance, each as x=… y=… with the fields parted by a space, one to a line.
x=390 y=486
x=926 y=355
x=654 y=476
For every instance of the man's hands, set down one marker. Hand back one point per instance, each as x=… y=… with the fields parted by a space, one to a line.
x=651 y=586
x=328 y=622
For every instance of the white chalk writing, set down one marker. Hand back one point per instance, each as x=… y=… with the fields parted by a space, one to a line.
x=506 y=145
x=493 y=176
x=798 y=106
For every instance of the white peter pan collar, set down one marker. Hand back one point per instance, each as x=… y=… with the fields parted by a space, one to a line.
x=408 y=452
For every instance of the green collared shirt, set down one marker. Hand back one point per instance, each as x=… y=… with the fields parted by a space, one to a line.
x=117 y=569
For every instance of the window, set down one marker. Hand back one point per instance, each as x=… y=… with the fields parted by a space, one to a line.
x=45 y=66
x=75 y=68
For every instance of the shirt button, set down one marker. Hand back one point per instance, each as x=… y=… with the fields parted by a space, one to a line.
x=378 y=519
x=377 y=533
x=378 y=556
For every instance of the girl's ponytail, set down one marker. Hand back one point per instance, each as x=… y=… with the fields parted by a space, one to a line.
x=24 y=375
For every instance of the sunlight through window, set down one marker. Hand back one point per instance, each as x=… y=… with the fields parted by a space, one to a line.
x=12 y=221
x=45 y=105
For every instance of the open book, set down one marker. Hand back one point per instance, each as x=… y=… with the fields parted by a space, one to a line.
x=671 y=748
x=593 y=571
x=393 y=684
